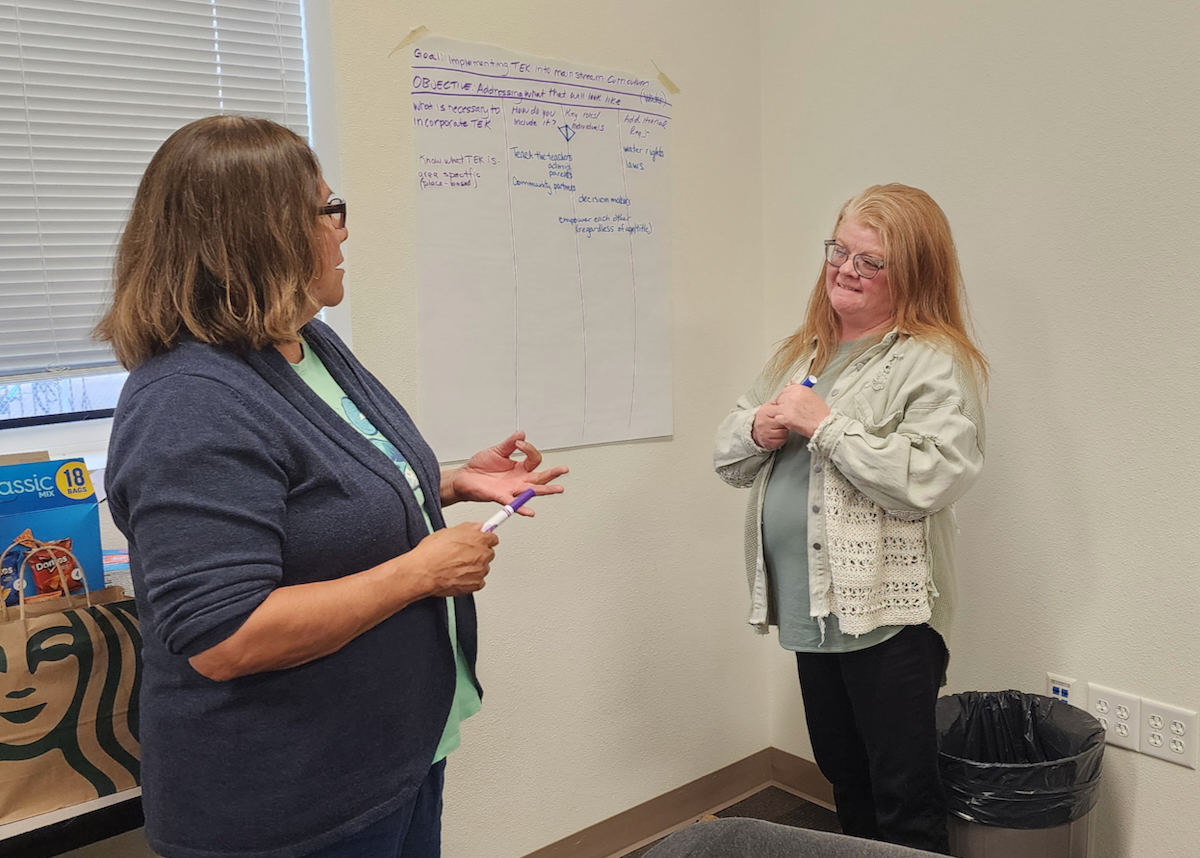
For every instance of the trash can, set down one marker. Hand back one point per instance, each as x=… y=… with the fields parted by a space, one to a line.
x=1021 y=773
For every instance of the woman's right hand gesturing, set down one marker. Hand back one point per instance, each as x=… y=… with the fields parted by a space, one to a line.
x=456 y=560
x=768 y=432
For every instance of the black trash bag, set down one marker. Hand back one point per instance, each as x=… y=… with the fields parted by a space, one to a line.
x=1015 y=760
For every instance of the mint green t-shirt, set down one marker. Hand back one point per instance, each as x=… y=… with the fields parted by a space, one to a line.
x=316 y=376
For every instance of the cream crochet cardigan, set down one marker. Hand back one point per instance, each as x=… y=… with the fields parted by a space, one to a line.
x=879 y=565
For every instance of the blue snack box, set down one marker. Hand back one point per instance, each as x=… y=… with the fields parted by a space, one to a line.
x=52 y=500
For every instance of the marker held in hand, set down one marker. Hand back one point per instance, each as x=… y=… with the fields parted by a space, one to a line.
x=502 y=516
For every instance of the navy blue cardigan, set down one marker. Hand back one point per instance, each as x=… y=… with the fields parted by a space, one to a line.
x=230 y=478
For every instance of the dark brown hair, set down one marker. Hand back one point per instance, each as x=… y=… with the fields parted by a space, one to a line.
x=222 y=241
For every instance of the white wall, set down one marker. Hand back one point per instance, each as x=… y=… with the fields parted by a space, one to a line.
x=615 y=657
x=1061 y=140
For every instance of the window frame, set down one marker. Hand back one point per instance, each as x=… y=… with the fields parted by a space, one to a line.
x=86 y=433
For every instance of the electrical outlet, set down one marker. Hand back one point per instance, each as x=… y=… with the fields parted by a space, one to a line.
x=1168 y=733
x=1118 y=713
x=1060 y=687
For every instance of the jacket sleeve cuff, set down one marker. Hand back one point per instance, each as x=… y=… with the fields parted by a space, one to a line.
x=745 y=433
x=830 y=432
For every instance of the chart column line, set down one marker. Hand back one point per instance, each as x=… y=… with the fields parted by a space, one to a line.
x=632 y=276
x=582 y=298
x=512 y=237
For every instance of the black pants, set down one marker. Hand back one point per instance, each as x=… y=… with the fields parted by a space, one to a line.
x=871 y=721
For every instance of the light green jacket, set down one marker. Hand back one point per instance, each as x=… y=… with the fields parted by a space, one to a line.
x=905 y=439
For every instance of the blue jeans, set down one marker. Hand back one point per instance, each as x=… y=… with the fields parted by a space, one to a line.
x=413 y=831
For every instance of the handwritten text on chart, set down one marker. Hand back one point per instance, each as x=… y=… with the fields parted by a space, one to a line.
x=503 y=68
x=575 y=102
x=559 y=175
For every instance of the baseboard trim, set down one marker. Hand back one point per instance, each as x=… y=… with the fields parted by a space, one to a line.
x=682 y=806
x=800 y=777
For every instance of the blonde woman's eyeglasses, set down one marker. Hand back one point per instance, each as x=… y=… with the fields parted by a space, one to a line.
x=866 y=266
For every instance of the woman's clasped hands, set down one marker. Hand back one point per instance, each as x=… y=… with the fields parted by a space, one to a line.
x=796 y=409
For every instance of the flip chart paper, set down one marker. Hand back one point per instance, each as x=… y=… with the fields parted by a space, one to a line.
x=543 y=204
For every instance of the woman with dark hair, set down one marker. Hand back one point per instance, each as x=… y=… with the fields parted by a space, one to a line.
x=856 y=441
x=309 y=629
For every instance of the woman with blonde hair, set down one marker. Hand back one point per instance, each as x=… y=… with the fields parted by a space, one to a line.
x=308 y=624
x=856 y=440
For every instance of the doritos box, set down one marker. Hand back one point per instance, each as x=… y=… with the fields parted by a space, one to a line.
x=50 y=521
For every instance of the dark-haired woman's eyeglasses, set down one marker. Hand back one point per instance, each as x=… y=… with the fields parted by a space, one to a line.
x=335 y=209
x=836 y=255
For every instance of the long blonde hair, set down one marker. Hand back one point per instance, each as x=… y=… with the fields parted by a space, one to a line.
x=222 y=242
x=928 y=296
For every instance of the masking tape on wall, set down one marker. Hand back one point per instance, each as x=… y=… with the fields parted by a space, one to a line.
x=415 y=35
x=664 y=80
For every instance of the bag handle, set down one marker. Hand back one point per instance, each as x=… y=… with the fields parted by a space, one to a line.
x=62 y=576
x=19 y=586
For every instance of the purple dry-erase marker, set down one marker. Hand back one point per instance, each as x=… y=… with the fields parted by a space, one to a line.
x=499 y=518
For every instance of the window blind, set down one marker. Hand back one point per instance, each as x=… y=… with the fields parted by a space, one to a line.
x=88 y=91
